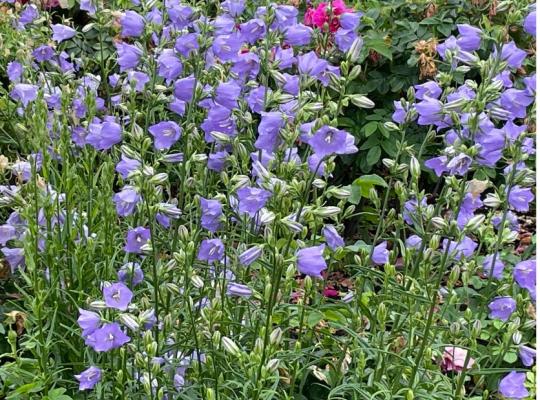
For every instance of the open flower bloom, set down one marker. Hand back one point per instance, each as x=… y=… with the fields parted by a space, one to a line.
x=89 y=378
x=453 y=359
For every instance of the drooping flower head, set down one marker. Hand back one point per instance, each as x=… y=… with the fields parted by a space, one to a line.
x=89 y=378
x=252 y=199
x=310 y=261
x=512 y=386
x=502 y=307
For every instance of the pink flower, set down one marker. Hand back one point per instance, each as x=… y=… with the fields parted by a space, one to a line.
x=320 y=16
x=454 y=359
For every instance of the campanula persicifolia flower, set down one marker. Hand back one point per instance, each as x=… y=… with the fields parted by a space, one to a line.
x=211 y=213
x=117 y=296
x=268 y=129
x=126 y=201
x=512 y=386
x=102 y=135
x=127 y=165
x=88 y=321
x=14 y=257
x=502 y=308
x=211 y=250
x=165 y=134
x=381 y=255
x=529 y=23
x=187 y=44
x=252 y=199
x=62 y=32
x=43 y=53
x=298 y=35
x=131 y=274
x=513 y=55
x=332 y=237
x=132 y=24
x=89 y=378
x=136 y=238
x=128 y=56
x=520 y=198
x=469 y=38
x=25 y=93
x=498 y=266
x=310 y=261
x=525 y=274
x=329 y=140
x=110 y=336
x=527 y=355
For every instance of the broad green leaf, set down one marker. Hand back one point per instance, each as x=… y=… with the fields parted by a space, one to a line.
x=373 y=155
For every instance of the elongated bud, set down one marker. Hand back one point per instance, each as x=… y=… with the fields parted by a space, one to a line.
x=391 y=126
x=272 y=365
x=492 y=200
x=354 y=52
x=439 y=223
x=326 y=211
x=276 y=336
x=229 y=346
x=159 y=178
x=414 y=167
x=475 y=222
x=355 y=72
x=361 y=101
x=129 y=321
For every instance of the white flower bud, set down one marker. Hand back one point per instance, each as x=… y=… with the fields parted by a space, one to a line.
x=361 y=101
x=229 y=346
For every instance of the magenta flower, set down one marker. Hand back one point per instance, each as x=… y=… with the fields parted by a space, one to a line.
x=165 y=134
x=135 y=239
x=310 y=261
x=132 y=24
x=512 y=386
x=89 y=378
x=211 y=250
x=107 y=338
x=251 y=200
x=502 y=308
x=117 y=296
